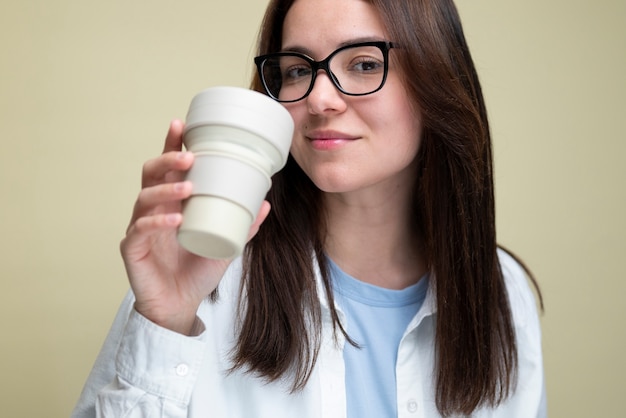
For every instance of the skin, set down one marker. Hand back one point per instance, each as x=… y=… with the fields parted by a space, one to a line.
x=359 y=150
x=169 y=283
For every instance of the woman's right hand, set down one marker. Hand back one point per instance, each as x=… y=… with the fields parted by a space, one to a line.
x=169 y=282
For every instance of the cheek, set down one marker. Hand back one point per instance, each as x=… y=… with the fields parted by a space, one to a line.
x=296 y=115
x=299 y=115
x=298 y=112
x=410 y=120
x=296 y=149
x=401 y=129
x=404 y=114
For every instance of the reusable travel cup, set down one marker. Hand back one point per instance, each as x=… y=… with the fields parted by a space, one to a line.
x=240 y=138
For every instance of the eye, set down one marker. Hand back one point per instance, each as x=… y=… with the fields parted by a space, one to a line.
x=296 y=72
x=366 y=65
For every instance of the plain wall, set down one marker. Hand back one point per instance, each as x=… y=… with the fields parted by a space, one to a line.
x=87 y=90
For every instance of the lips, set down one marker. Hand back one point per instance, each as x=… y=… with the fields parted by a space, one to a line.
x=329 y=135
x=328 y=140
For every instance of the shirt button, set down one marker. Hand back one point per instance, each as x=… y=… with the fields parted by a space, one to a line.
x=182 y=370
x=411 y=405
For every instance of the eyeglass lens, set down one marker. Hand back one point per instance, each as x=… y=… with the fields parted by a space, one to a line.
x=356 y=70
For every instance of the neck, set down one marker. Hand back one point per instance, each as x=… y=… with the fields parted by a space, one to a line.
x=371 y=237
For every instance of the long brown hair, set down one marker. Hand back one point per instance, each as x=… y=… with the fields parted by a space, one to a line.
x=476 y=354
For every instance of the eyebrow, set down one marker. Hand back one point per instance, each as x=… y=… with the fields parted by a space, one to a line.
x=307 y=51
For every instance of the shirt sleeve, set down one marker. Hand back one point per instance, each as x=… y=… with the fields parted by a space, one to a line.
x=529 y=398
x=142 y=370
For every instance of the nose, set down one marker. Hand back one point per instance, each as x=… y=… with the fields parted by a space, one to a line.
x=325 y=97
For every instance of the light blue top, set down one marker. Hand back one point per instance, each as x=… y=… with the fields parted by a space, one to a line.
x=376 y=319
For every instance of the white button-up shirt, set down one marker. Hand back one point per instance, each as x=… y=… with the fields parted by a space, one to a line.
x=147 y=371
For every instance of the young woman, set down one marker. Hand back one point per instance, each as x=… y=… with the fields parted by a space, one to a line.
x=374 y=286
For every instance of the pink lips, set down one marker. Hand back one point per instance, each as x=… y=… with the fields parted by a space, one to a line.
x=329 y=140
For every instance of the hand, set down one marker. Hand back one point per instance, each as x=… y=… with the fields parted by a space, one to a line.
x=169 y=282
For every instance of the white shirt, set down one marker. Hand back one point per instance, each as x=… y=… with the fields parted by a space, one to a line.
x=147 y=371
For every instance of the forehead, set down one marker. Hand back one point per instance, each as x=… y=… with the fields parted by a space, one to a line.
x=322 y=25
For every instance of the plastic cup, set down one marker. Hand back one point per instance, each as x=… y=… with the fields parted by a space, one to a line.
x=240 y=138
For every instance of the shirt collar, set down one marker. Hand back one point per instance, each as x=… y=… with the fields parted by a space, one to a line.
x=428 y=308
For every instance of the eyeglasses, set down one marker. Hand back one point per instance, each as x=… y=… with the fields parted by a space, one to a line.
x=355 y=70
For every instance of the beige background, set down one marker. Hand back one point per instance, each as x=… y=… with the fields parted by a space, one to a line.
x=88 y=89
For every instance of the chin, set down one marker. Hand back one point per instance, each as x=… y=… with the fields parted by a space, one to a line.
x=337 y=185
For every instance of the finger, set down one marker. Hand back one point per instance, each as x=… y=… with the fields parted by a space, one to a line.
x=150 y=198
x=173 y=164
x=174 y=138
x=261 y=216
x=141 y=234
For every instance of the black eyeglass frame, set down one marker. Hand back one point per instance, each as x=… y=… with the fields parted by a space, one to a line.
x=384 y=46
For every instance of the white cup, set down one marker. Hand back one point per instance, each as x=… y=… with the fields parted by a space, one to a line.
x=240 y=138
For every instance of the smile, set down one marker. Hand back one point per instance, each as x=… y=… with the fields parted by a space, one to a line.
x=329 y=140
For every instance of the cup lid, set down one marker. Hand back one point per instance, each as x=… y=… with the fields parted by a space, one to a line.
x=244 y=109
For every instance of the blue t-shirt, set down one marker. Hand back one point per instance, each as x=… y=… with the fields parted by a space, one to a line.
x=376 y=319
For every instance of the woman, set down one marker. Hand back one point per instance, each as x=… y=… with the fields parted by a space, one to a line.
x=373 y=286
